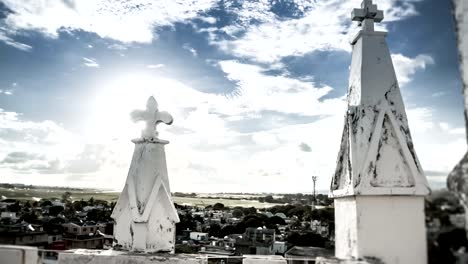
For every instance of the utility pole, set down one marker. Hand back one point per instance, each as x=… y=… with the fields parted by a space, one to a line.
x=314 y=179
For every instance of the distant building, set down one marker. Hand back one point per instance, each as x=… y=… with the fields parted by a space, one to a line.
x=216 y=251
x=279 y=247
x=320 y=228
x=85 y=235
x=306 y=255
x=23 y=234
x=198 y=236
x=256 y=241
x=10 y=215
x=51 y=238
x=93 y=242
x=458 y=220
x=220 y=255
x=259 y=235
x=83 y=229
x=282 y=215
x=268 y=214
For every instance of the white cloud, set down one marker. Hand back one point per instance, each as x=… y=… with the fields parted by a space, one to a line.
x=187 y=46
x=209 y=20
x=127 y=21
x=11 y=42
x=155 y=66
x=259 y=92
x=439 y=94
x=406 y=67
x=457 y=131
x=45 y=153
x=325 y=25
x=90 y=62
x=116 y=46
x=6 y=92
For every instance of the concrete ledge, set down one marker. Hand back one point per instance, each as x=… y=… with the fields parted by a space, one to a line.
x=258 y=259
x=18 y=254
x=80 y=256
x=333 y=260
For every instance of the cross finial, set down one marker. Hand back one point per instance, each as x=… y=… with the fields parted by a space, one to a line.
x=152 y=116
x=367 y=15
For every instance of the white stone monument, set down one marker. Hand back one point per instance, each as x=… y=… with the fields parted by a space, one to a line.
x=379 y=185
x=145 y=215
x=457 y=180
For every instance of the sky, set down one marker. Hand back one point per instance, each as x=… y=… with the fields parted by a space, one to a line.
x=257 y=89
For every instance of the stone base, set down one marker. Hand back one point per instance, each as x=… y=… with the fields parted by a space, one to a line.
x=80 y=256
x=389 y=228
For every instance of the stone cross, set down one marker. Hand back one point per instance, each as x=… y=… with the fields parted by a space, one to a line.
x=379 y=184
x=367 y=15
x=152 y=116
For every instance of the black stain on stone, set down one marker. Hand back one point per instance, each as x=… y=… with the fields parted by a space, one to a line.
x=358 y=181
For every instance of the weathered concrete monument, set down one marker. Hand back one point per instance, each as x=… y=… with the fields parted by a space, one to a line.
x=379 y=185
x=145 y=215
x=457 y=180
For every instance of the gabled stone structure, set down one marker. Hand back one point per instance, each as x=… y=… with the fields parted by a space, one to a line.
x=379 y=185
x=145 y=215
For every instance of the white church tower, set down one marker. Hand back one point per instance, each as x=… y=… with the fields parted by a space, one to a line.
x=144 y=215
x=379 y=185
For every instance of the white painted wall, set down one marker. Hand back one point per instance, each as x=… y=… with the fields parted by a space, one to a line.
x=391 y=228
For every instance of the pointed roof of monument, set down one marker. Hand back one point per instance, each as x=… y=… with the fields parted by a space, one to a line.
x=377 y=155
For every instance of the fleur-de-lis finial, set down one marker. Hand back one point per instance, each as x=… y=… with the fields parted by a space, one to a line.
x=152 y=116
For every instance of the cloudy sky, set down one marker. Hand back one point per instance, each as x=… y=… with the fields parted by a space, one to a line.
x=257 y=89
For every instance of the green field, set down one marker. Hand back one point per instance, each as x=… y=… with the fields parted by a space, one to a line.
x=49 y=193
x=227 y=202
x=37 y=193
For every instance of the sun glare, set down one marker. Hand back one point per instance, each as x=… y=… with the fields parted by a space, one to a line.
x=113 y=102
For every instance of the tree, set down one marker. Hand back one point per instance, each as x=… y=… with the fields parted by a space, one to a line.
x=98 y=215
x=78 y=205
x=16 y=207
x=55 y=210
x=237 y=213
x=306 y=240
x=215 y=230
x=218 y=206
x=249 y=211
x=29 y=217
x=276 y=220
x=269 y=199
x=66 y=197
x=227 y=230
x=186 y=222
x=46 y=203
